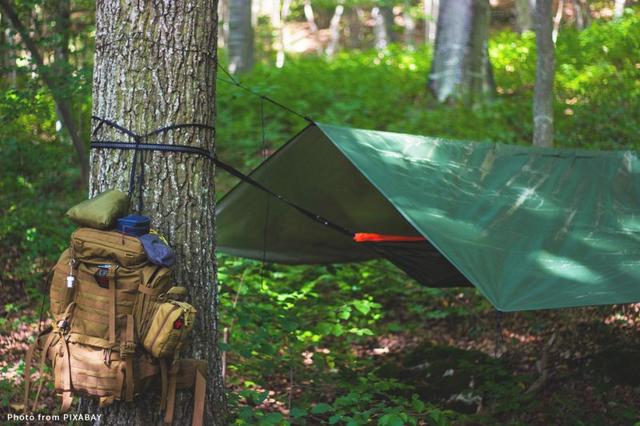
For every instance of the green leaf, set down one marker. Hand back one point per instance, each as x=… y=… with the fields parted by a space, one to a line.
x=335 y=419
x=363 y=306
x=298 y=413
x=417 y=404
x=391 y=419
x=321 y=408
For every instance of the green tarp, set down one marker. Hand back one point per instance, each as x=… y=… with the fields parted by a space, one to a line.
x=531 y=228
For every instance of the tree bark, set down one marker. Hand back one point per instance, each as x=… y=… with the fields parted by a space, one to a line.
x=461 y=69
x=61 y=101
x=354 y=28
x=223 y=22
x=431 y=8
x=313 y=27
x=278 y=20
x=618 y=10
x=382 y=26
x=545 y=69
x=524 y=15
x=582 y=14
x=557 y=20
x=409 y=26
x=478 y=74
x=334 y=31
x=240 y=39
x=155 y=65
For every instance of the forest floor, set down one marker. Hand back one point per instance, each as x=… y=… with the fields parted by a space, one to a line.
x=577 y=366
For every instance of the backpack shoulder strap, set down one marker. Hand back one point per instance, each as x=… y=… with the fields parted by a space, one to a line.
x=190 y=376
x=48 y=332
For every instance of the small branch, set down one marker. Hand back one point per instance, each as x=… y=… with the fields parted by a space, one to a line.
x=557 y=20
x=541 y=366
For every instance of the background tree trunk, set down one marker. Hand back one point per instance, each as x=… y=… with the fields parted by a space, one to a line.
x=382 y=26
x=354 y=28
x=409 y=26
x=313 y=27
x=461 y=67
x=545 y=69
x=279 y=19
x=524 y=14
x=431 y=8
x=478 y=74
x=557 y=20
x=582 y=14
x=155 y=65
x=618 y=10
x=240 y=42
x=334 y=31
x=223 y=22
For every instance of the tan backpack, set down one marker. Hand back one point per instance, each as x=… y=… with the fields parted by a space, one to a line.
x=118 y=326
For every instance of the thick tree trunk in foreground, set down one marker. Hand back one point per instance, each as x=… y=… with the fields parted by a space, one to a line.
x=155 y=65
x=545 y=69
x=240 y=39
x=461 y=67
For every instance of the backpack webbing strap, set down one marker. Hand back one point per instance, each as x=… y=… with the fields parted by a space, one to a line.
x=163 y=378
x=127 y=352
x=65 y=372
x=112 y=307
x=168 y=398
x=198 y=399
x=29 y=360
x=171 y=395
x=43 y=356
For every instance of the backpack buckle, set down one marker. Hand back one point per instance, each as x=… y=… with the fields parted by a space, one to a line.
x=127 y=349
x=63 y=325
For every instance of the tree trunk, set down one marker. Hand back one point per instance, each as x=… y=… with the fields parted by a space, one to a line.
x=557 y=20
x=313 y=27
x=478 y=75
x=461 y=67
x=155 y=65
x=6 y=67
x=279 y=18
x=382 y=26
x=431 y=8
x=582 y=14
x=334 y=31
x=409 y=26
x=524 y=15
x=240 y=39
x=48 y=77
x=545 y=68
x=354 y=28
x=618 y=10
x=223 y=22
